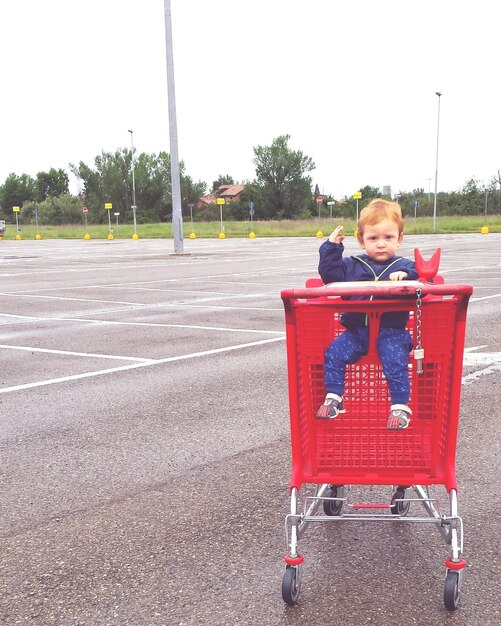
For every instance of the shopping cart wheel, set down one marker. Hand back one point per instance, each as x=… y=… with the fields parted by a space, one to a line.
x=291 y=585
x=451 y=590
x=332 y=507
x=399 y=508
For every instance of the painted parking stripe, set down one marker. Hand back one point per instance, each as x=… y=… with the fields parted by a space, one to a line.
x=474 y=376
x=123 y=368
x=84 y=354
x=23 y=319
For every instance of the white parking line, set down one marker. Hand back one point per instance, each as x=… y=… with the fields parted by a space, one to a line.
x=493 y=295
x=45 y=297
x=190 y=326
x=85 y=354
x=195 y=303
x=123 y=368
x=473 y=376
x=24 y=319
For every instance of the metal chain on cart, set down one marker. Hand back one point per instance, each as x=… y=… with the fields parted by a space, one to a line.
x=418 y=350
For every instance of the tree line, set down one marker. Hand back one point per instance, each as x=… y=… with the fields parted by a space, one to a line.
x=282 y=189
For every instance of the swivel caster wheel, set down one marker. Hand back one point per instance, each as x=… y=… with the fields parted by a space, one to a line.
x=291 y=585
x=333 y=507
x=451 y=590
x=399 y=508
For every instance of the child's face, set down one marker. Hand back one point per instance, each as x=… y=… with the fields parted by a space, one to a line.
x=381 y=240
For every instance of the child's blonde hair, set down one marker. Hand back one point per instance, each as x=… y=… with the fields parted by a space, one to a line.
x=376 y=211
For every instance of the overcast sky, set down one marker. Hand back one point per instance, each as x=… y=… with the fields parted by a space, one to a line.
x=352 y=82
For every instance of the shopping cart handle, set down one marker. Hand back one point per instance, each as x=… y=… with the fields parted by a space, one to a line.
x=377 y=289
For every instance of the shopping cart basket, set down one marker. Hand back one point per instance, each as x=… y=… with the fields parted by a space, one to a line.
x=356 y=448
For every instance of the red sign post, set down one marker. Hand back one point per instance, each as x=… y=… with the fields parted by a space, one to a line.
x=85 y=210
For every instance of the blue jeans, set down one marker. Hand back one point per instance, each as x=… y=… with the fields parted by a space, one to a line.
x=393 y=346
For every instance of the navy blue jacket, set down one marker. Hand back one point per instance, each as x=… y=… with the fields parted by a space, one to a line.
x=334 y=268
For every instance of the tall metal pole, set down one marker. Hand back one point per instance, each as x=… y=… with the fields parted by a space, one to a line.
x=436 y=164
x=177 y=215
x=134 y=207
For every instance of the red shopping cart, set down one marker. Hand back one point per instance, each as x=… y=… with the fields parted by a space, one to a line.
x=334 y=456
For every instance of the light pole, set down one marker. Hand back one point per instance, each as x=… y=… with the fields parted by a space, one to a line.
x=133 y=207
x=436 y=163
x=177 y=214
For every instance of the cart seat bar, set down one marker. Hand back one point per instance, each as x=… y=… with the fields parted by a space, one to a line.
x=382 y=288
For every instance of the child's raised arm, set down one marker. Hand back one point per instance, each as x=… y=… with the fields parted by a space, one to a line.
x=335 y=236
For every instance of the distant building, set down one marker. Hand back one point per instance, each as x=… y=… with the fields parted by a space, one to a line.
x=387 y=190
x=230 y=193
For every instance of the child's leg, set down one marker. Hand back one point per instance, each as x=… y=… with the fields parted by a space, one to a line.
x=393 y=347
x=349 y=347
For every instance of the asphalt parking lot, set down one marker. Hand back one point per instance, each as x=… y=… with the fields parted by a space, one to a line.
x=144 y=443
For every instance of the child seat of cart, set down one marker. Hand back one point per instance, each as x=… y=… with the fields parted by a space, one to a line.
x=427 y=273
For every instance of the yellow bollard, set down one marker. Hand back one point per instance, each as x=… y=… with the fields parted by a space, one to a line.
x=252 y=235
x=319 y=234
x=484 y=230
x=135 y=236
x=110 y=237
x=86 y=236
x=222 y=235
x=38 y=236
x=193 y=236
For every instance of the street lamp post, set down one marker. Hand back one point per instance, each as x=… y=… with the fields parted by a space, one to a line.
x=436 y=163
x=177 y=214
x=133 y=207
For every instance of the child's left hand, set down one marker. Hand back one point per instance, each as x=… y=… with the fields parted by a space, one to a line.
x=398 y=275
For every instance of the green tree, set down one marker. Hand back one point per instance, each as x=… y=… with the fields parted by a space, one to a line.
x=280 y=172
x=190 y=192
x=153 y=187
x=62 y=209
x=51 y=184
x=471 y=201
x=15 y=191
x=349 y=207
x=370 y=193
x=110 y=180
x=107 y=182
x=256 y=194
x=222 y=180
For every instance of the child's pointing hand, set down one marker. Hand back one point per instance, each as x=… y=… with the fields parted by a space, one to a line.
x=335 y=236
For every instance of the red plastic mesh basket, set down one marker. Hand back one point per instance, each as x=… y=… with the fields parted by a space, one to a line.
x=356 y=447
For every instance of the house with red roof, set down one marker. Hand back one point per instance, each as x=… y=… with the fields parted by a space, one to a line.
x=230 y=193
